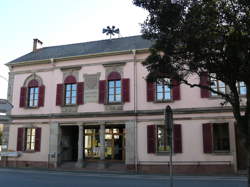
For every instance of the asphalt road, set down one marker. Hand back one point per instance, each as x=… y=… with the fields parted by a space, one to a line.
x=37 y=178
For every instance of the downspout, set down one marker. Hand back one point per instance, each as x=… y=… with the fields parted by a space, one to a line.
x=135 y=110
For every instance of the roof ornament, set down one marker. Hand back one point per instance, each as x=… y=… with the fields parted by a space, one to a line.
x=111 y=31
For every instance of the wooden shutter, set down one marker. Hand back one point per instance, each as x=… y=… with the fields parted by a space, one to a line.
x=80 y=93
x=23 y=95
x=102 y=91
x=176 y=90
x=177 y=139
x=150 y=91
x=20 y=139
x=59 y=94
x=41 y=96
x=38 y=139
x=125 y=90
x=151 y=138
x=204 y=81
x=207 y=138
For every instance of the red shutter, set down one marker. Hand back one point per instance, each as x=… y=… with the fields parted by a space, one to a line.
x=204 y=81
x=59 y=94
x=80 y=92
x=102 y=91
x=151 y=135
x=125 y=90
x=207 y=138
x=150 y=91
x=176 y=90
x=177 y=139
x=38 y=139
x=23 y=95
x=20 y=139
x=41 y=96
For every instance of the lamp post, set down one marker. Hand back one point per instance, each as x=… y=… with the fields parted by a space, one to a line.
x=168 y=114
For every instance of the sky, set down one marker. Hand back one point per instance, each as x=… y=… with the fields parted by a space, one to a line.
x=59 y=22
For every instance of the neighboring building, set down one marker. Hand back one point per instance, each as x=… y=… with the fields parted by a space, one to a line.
x=89 y=103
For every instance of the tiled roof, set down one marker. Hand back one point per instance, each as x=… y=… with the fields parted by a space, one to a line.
x=87 y=48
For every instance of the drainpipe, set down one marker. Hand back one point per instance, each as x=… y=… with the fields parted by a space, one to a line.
x=135 y=109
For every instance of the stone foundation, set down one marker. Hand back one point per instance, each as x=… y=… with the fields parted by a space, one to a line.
x=188 y=169
x=147 y=169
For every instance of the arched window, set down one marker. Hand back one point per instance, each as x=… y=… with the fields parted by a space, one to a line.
x=114 y=88
x=32 y=92
x=70 y=90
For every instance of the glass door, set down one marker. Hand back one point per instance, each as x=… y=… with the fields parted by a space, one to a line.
x=114 y=144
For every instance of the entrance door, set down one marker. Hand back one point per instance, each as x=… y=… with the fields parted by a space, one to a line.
x=114 y=143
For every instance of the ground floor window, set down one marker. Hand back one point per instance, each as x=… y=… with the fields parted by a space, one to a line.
x=162 y=143
x=221 y=137
x=92 y=143
x=30 y=134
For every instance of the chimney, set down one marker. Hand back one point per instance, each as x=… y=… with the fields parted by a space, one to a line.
x=35 y=42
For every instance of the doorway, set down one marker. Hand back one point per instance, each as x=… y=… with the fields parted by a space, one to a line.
x=69 y=143
x=114 y=143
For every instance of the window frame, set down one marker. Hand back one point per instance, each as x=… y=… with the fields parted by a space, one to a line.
x=215 y=85
x=166 y=144
x=239 y=86
x=30 y=142
x=163 y=89
x=114 y=92
x=213 y=138
x=71 y=94
x=34 y=88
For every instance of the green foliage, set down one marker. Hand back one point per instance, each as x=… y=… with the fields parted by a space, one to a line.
x=195 y=36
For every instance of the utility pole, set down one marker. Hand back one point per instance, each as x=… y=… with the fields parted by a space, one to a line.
x=168 y=113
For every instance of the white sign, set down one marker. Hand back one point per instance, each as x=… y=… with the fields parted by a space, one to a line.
x=10 y=154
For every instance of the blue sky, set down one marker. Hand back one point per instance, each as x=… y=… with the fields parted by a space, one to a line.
x=57 y=22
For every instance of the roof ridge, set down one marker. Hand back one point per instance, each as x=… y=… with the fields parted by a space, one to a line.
x=91 y=41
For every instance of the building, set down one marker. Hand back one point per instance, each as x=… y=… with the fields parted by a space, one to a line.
x=89 y=103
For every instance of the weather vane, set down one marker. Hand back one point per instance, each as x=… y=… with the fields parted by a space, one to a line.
x=111 y=31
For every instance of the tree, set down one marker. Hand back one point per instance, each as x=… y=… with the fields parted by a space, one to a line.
x=197 y=37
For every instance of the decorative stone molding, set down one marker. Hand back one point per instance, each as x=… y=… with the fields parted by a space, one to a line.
x=33 y=76
x=69 y=109
x=72 y=72
x=113 y=107
x=91 y=87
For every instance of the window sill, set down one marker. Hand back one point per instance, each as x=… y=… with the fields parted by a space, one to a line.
x=115 y=103
x=164 y=101
x=29 y=151
x=163 y=153
x=221 y=153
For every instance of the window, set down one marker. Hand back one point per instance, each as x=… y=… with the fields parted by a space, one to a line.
x=217 y=85
x=114 y=91
x=33 y=97
x=241 y=88
x=162 y=143
x=32 y=93
x=30 y=134
x=70 y=94
x=215 y=137
x=163 y=92
x=221 y=137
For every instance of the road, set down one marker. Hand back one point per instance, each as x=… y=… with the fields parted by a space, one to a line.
x=41 y=178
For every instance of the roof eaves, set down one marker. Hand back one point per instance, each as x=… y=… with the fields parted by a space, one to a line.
x=45 y=61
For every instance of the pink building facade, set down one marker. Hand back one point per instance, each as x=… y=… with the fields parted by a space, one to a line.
x=89 y=105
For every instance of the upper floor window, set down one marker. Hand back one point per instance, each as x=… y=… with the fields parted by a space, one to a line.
x=114 y=93
x=241 y=88
x=114 y=88
x=70 y=94
x=32 y=93
x=217 y=85
x=163 y=92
